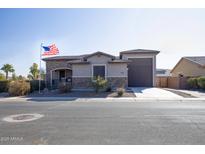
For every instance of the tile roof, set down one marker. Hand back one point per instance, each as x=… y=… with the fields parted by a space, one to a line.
x=79 y=61
x=139 y=51
x=99 y=53
x=64 y=57
x=198 y=59
x=119 y=61
x=85 y=56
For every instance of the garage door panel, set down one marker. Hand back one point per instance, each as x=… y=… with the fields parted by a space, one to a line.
x=140 y=72
x=141 y=61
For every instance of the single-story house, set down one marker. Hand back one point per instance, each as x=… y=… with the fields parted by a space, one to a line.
x=132 y=68
x=190 y=67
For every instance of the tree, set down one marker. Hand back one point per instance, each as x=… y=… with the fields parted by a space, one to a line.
x=30 y=77
x=43 y=75
x=34 y=72
x=2 y=77
x=20 y=77
x=7 y=68
x=14 y=76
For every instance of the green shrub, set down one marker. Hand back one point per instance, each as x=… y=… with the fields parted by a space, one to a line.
x=4 y=86
x=2 y=77
x=120 y=91
x=193 y=83
x=18 y=88
x=201 y=82
x=64 y=87
x=35 y=85
x=99 y=83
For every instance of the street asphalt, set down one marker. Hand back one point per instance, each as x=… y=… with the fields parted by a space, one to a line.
x=104 y=122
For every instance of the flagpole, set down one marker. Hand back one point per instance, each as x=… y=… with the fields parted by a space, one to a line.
x=40 y=68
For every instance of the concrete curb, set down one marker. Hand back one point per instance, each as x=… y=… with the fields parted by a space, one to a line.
x=133 y=99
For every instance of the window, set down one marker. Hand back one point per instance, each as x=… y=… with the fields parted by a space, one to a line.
x=99 y=71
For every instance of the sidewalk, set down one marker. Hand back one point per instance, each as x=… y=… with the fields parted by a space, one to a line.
x=195 y=93
x=75 y=99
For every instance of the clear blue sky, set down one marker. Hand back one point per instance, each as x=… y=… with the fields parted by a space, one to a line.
x=175 y=32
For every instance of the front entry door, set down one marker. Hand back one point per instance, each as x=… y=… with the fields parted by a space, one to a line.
x=61 y=75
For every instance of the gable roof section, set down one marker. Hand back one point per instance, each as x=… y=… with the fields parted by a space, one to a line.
x=99 y=53
x=85 y=56
x=119 y=61
x=145 y=51
x=64 y=57
x=200 y=61
x=78 y=57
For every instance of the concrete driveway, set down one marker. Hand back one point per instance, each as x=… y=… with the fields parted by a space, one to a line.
x=152 y=92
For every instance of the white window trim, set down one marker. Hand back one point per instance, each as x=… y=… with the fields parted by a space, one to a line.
x=99 y=65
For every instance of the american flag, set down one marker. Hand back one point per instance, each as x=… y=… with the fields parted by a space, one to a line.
x=50 y=50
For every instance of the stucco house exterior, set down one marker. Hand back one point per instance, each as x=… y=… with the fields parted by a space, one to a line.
x=190 y=67
x=131 y=68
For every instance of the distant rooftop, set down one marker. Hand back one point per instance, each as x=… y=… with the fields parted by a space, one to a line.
x=198 y=59
x=163 y=72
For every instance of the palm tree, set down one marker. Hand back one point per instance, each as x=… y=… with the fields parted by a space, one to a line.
x=7 y=68
x=34 y=72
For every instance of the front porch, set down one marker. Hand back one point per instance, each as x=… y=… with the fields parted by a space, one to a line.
x=60 y=75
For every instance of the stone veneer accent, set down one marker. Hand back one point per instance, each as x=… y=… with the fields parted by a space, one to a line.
x=86 y=82
x=117 y=82
x=51 y=65
x=82 y=82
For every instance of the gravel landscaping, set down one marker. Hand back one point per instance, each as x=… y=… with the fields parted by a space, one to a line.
x=82 y=94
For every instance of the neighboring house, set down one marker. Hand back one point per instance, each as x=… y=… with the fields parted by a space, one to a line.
x=190 y=67
x=163 y=72
x=132 y=68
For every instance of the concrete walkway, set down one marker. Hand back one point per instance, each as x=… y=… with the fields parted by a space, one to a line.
x=158 y=93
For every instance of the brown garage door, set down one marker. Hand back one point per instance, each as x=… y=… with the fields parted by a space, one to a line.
x=140 y=72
